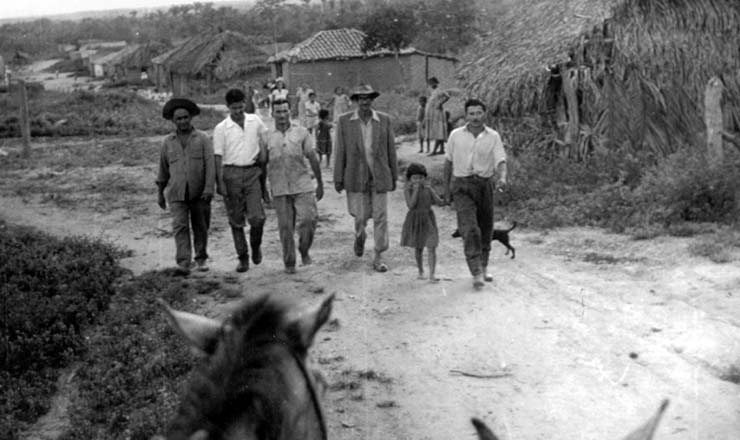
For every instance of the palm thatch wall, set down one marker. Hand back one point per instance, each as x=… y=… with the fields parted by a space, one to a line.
x=634 y=71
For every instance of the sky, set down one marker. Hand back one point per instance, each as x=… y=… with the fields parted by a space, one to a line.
x=26 y=8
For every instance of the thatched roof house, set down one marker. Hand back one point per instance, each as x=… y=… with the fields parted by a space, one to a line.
x=132 y=64
x=202 y=62
x=609 y=72
x=332 y=58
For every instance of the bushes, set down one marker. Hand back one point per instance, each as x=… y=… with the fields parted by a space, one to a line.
x=51 y=290
x=84 y=113
x=135 y=366
x=622 y=192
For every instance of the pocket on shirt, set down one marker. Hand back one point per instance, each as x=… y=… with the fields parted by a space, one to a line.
x=196 y=155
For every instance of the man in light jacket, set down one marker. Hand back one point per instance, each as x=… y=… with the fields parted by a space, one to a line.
x=365 y=166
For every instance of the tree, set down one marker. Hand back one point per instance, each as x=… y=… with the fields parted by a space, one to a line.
x=389 y=27
x=446 y=25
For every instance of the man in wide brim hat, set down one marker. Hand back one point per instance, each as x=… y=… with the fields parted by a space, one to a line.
x=365 y=165
x=173 y=104
x=365 y=91
x=187 y=170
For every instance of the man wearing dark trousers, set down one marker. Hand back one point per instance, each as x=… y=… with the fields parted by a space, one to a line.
x=475 y=154
x=239 y=146
x=186 y=166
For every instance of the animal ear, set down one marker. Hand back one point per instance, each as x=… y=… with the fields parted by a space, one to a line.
x=483 y=432
x=310 y=323
x=200 y=331
x=647 y=430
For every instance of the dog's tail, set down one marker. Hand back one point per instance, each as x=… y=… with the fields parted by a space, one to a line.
x=513 y=225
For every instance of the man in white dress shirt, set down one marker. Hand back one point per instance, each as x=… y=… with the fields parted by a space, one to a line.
x=240 y=151
x=475 y=154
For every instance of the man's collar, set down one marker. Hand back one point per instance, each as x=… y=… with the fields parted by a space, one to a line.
x=247 y=117
x=292 y=125
x=486 y=129
x=356 y=115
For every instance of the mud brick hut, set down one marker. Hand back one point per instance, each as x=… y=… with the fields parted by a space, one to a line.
x=334 y=58
x=625 y=75
x=204 y=63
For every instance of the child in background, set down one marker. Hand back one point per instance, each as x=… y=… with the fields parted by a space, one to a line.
x=420 y=226
x=312 y=112
x=323 y=136
x=420 y=128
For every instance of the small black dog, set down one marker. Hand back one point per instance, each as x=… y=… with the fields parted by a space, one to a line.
x=501 y=235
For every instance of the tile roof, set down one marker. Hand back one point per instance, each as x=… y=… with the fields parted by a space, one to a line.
x=335 y=44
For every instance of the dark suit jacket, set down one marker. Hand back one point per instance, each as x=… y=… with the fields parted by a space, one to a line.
x=350 y=165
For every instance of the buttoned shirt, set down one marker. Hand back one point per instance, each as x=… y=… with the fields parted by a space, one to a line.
x=236 y=145
x=287 y=166
x=188 y=169
x=367 y=135
x=475 y=155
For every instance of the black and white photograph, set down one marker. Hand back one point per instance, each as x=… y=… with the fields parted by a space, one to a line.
x=370 y=220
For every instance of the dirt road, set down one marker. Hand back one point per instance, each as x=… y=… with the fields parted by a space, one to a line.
x=588 y=331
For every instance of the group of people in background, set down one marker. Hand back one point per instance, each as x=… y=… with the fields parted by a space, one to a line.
x=245 y=155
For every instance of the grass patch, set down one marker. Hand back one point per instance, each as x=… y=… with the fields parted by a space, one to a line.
x=135 y=366
x=86 y=113
x=52 y=290
x=712 y=249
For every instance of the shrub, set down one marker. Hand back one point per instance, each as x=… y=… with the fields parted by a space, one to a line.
x=135 y=366
x=51 y=290
x=84 y=113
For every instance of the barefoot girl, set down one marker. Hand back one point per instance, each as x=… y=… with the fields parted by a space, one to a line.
x=420 y=227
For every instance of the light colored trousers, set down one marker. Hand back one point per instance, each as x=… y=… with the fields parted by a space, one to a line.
x=296 y=212
x=366 y=205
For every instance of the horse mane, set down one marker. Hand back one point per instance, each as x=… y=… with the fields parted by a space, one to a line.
x=241 y=374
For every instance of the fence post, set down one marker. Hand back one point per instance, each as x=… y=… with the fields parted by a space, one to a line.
x=713 y=120
x=24 y=120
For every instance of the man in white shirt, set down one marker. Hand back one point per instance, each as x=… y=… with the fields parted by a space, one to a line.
x=240 y=151
x=475 y=154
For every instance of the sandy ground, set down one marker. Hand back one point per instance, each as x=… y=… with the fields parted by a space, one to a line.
x=585 y=331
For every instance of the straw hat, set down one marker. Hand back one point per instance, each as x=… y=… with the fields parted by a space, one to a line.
x=363 y=90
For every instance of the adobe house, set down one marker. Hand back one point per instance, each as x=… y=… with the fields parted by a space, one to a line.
x=334 y=58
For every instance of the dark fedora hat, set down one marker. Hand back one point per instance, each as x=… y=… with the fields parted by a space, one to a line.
x=363 y=90
x=173 y=104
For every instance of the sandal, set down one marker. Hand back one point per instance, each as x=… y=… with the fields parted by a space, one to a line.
x=380 y=267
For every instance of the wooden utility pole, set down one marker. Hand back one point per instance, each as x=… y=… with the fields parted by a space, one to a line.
x=713 y=120
x=24 y=120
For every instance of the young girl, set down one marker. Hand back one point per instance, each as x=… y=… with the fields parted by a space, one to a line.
x=420 y=227
x=323 y=136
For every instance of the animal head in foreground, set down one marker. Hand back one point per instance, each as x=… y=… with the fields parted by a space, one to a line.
x=253 y=383
x=644 y=432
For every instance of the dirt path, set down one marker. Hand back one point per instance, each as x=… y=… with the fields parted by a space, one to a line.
x=590 y=330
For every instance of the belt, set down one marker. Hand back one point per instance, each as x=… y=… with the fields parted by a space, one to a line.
x=473 y=177
x=254 y=165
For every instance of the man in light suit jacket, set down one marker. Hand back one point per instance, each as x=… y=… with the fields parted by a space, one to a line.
x=365 y=165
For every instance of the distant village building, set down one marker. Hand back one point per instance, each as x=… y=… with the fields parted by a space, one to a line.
x=334 y=58
x=208 y=61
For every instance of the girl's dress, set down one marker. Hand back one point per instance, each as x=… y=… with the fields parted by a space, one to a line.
x=420 y=227
x=323 y=137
